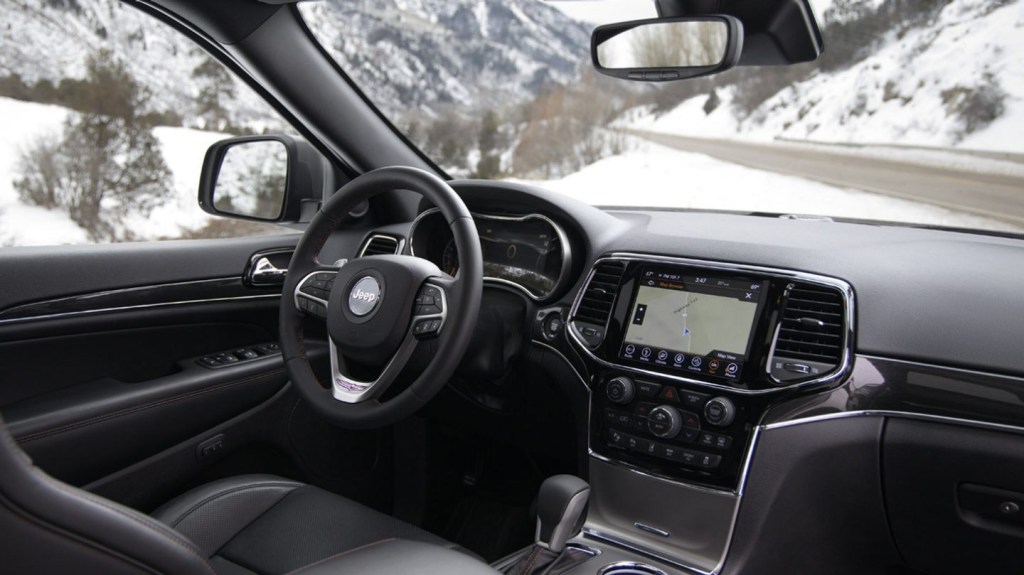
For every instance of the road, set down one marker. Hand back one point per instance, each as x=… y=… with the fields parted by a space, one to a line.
x=996 y=196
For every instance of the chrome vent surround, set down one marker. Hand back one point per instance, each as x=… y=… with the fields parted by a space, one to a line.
x=598 y=299
x=378 y=244
x=812 y=324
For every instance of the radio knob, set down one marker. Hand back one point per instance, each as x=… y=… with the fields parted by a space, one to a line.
x=720 y=412
x=620 y=390
x=664 y=421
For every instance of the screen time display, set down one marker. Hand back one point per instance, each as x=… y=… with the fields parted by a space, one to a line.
x=693 y=323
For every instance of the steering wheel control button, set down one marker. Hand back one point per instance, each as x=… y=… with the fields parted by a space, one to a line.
x=364 y=296
x=426 y=327
x=720 y=412
x=620 y=390
x=429 y=301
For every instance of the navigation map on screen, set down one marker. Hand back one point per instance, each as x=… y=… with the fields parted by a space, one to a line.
x=694 y=323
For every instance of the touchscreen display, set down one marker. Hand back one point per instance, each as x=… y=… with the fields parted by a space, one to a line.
x=693 y=323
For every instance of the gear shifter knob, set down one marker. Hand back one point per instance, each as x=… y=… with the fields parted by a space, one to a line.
x=561 y=508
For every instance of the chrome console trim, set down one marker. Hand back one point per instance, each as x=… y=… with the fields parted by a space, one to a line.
x=630 y=565
x=898 y=414
x=840 y=373
x=596 y=535
x=91 y=298
x=563 y=240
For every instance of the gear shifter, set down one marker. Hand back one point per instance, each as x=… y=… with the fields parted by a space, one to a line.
x=561 y=509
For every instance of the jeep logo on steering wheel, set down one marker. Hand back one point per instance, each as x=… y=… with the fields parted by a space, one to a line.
x=364 y=296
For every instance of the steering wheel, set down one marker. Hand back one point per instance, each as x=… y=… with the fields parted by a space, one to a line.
x=379 y=308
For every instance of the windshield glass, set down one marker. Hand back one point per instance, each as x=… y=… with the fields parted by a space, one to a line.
x=910 y=115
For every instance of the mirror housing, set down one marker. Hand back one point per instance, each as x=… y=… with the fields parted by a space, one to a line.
x=617 y=50
x=273 y=178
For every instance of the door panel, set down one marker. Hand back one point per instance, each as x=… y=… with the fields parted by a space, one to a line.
x=99 y=348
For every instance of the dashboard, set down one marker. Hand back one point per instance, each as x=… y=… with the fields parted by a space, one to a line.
x=732 y=357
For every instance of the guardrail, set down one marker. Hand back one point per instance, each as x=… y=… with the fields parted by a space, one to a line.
x=1004 y=156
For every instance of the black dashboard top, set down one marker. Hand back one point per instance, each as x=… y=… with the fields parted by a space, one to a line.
x=934 y=296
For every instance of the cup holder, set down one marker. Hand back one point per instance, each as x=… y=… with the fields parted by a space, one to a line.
x=629 y=568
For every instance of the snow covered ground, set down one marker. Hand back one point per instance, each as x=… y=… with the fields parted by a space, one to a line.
x=657 y=176
x=22 y=224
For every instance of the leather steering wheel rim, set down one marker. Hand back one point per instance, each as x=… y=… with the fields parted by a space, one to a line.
x=463 y=295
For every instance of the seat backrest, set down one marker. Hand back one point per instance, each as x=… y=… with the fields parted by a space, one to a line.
x=50 y=527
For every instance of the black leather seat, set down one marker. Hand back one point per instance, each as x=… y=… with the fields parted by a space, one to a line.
x=251 y=524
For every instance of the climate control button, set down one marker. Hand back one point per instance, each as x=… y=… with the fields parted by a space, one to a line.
x=620 y=390
x=720 y=412
x=664 y=421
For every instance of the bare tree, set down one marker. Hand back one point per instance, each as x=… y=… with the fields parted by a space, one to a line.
x=107 y=165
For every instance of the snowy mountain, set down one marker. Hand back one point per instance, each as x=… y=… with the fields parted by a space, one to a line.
x=50 y=41
x=464 y=52
x=952 y=78
x=471 y=53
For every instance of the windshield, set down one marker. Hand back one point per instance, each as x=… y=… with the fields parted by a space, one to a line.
x=911 y=115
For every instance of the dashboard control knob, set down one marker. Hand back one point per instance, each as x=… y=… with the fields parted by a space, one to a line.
x=664 y=421
x=720 y=412
x=620 y=390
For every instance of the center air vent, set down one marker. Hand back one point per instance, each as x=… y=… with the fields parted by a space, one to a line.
x=379 y=245
x=595 y=307
x=811 y=335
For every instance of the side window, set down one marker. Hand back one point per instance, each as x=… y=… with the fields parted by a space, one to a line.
x=107 y=116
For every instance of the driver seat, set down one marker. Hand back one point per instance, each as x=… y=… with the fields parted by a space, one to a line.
x=256 y=524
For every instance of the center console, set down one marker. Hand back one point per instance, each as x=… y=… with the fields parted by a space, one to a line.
x=689 y=354
x=684 y=357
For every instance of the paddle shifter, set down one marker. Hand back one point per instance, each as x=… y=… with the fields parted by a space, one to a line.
x=561 y=509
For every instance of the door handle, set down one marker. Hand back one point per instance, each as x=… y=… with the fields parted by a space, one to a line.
x=267 y=268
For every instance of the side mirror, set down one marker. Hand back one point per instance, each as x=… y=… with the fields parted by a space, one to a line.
x=266 y=178
x=667 y=49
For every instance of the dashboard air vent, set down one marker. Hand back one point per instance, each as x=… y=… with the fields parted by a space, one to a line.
x=597 y=301
x=811 y=335
x=379 y=245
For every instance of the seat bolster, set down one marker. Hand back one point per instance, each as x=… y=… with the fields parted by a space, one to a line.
x=210 y=515
x=86 y=524
x=399 y=556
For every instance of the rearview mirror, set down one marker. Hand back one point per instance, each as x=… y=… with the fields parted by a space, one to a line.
x=661 y=50
x=270 y=178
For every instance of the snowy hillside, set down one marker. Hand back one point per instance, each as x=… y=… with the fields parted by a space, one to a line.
x=50 y=41
x=955 y=81
x=426 y=53
x=23 y=224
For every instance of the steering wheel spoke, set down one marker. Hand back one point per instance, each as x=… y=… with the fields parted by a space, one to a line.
x=312 y=293
x=347 y=389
